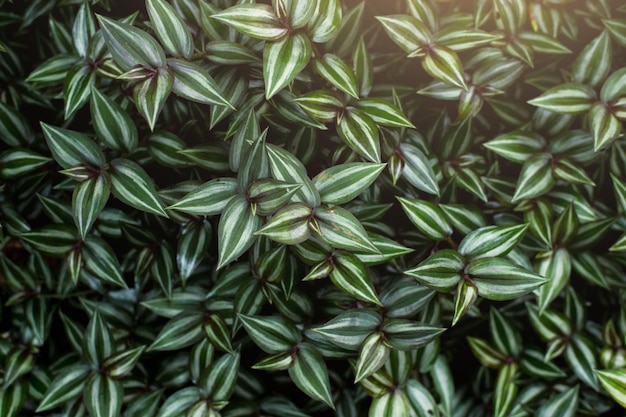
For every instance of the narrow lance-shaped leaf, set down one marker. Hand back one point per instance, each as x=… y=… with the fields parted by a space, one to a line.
x=78 y=83
x=441 y=271
x=384 y=113
x=556 y=268
x=342 y=183
x=427 y=217
x=16 y=162
x=183 y=330
x=150 y=95
x=326 y=21
x=310 y=374
x=271 y=334
x=255 y=20
x=130 y=46
x=409 y=335
x=418 y=170
x=566 y=98
x=170 y=28
x=290 y=225
x=348 y=330
x=88 y=200
x=98 y=341
x=360 y=133
x=340 y=229
x=350 y=275
x=236 y=230
x=499 y=279
x=113 y=125
x=67 y=386
x=103 y=396
x=372 y=356
x=406 y=31
x=443 y=64
x=334 y=70
x=614 y=382
x=219 y=381
x=283 y=61
x=70 y=148
x=132 y=185
x=193 y=83
x=491 y=241
x=536 y=178
x=101 y=261
x=209 y=198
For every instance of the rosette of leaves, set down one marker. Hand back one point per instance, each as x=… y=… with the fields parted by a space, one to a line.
x=312 y=207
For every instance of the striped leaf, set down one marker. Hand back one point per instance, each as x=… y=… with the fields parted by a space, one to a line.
x=441 y=271
x=569 y=98
x=65 y=387
x=409 y=335
x=170 y=28
x=406 y=31
x=322 y=105
x=12 y=399
x=383 y=113
x=88 y=200
x=193 y=83
x=271 y=334
x=299 y=12
x=182 y=331
x=103 y=396
x=122 y=363
x=16 y=162
x=372 y=356
x=504 y=335
x=53 y=70
x=70 y=148
x=98 y=342
x=348 y=330
x=221 y=377
x=393 y=403
x=614 y=382
x=564 y=404
x=505 y=390
x=255 y=20
x=286 y=167
x=113 y=125
x=132 y=185
x=78 y=83
x=536 y=178
x=418 y=170
x=340 y=229
x=166 y=148
x=83 y=29
x=283 y=61
x=310 y=374
x=606 y=128
x=422 y=402
x=533 y=363
x=101 y=261
x=516 y=146
x=290 y=225
x=581 y=357
x=130 y=46
x=388 y=249
x=350 y=275
x=19 y=361
x=444 y=65
x=150 y=95
x=334 y=70
x=208 y=199
x=486 y=354
x=14 y=129
x=342 y=183
x=179 y=402
x=491 y=241
x=499 y=279
x=360 y=133
x=464 y=298
x=427 y=217
x=54 y=240
x=217 y=332
x=326 y=20
x=268 y=195
x=593 y=63
x=235 y=233
x=457 y=38
x=614 y=87
x=556 y=268
x=192 y=248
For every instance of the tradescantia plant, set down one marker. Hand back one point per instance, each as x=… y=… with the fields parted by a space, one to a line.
x=313 y=207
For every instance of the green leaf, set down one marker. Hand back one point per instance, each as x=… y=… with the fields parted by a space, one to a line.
x=322 y=105
x=103 y=396
x=505 y=390
x=88 y=200
x=348 y=330
x=421 y=400
x=564 y=404
x=594 y=62
x=255 y=20
x=286 y=167
x=606 y=128
x=499 y=279
x=183 y=330
x=491 y=241
x=418 y=170
x=65 y=387
x=326 y=20
x=387 y=248
x=580 y=356
x=179 y=402
x=406 y=31
x=556 y=268
x=130 y=46
x=283 y=61
x=268 y=195
x=150 y=95
x=383 y=113
x=78 y=83
x=360 y=133
x=443 y=64
x=101 y=261
x=170 y=28
x=536 y=177
x=427 y=217
x=310 y=374
x=290 y=225
x=342 y=183
x=113 y=125
x=350 y=275
x=14 y=129
x=441 y=271
x=464 y=298
x=235 y=233
x=613 y=88
x=98 y=341
x=271 y=334
x=193 y=83
x=392 y=403
x=486 y=354
x=505 y=336
x=12 y=399
x=132 y=185
x=16 y=162
x=372 y=356
x=458 y=38
x=516 y=146
x=340 y=229
x=192 y=248
x=334 y=70
x=70 y=148
x=209 y=198
x=363 y=68
x=614 y=382
x=409 y=335
x=217 y=332
x=219 y=380
x=569 y=98
x=122 y=363
x=54 y=240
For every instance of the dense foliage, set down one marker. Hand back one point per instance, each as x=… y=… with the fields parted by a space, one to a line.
x=298 y=208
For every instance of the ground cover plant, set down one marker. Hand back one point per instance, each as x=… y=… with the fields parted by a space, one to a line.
x=298 y=208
